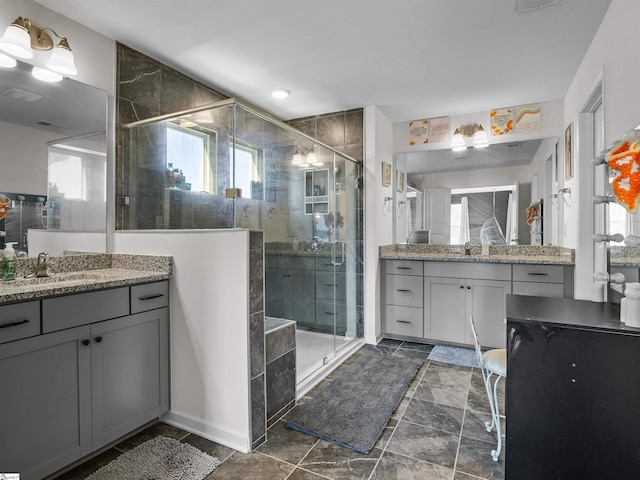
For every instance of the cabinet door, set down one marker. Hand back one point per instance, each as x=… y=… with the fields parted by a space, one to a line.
x=444 y=309
x=130 y=365
x=303 y=296
x=487 y=302
x=277 y=293
x=46 y=402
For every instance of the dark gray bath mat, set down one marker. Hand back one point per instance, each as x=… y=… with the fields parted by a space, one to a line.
x=353 y=410
x=465 y=357
x=161 y=458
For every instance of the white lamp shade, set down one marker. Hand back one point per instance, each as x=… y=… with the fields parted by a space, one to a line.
x=297 y=159
x=46 y=75
x=17 y=42
x=61 y=61
x=480 y=139
x=7 y=62
x=457 y=142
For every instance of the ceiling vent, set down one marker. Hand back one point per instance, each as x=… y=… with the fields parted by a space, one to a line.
x=22 y=95
x=523 y=6
x=53 y=125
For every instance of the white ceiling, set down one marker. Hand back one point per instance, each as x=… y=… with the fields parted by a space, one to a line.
x=411 y=58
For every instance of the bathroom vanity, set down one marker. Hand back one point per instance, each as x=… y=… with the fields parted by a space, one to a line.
x=429 y=291
x=83 y=359
x=572 y=391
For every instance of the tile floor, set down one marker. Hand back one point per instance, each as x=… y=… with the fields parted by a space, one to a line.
x=436 y=433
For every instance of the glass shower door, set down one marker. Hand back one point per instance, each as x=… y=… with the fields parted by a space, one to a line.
x=345 y=252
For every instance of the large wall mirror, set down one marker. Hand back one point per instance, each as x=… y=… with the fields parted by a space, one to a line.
x=505 y=194
x=53 y=158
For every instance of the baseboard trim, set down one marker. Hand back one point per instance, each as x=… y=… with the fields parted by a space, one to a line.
x=221 y=435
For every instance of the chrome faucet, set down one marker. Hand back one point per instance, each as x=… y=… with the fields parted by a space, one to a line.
x=43 y=266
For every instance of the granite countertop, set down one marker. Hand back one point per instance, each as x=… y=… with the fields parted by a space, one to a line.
x=529 y=254
x=623 y=256
x=84 y=273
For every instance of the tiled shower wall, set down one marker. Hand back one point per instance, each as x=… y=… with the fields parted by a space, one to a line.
x=145 y=89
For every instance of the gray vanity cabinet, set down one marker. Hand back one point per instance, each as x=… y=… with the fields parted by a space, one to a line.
x=290 y=288
x=45 y=413
x=82 y=383
x=461 y=290
x=129 y=383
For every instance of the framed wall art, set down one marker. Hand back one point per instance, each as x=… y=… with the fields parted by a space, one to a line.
x=386 y=174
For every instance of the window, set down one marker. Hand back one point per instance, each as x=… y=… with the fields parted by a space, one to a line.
x=246 y=170
x=188 y=164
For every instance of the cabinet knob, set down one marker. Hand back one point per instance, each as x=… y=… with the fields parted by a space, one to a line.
x=468 y=287
x=86 y=342
x=461 y=286
x=98 y=339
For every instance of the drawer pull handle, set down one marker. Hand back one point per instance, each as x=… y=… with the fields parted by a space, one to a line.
x=329 y=284
x=86 y=342
x=14 y=324
x=403 y=321
x=404 y=268
x=151 y=297
x=540 y=274
x=98 y=339
x=402 y=290
x=329 y=313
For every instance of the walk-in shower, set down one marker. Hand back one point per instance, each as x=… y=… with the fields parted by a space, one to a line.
x=227 y=165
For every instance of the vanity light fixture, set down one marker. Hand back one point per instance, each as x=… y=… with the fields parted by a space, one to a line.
x=23 y=36
x=475 y=130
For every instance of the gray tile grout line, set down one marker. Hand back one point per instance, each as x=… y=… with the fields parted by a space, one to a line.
x=464 y=414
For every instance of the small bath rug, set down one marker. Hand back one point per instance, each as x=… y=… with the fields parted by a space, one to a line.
x=353 y=410
x=161 y=458
x=465 y=357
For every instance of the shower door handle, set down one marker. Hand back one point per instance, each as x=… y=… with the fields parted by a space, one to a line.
x=334 y=260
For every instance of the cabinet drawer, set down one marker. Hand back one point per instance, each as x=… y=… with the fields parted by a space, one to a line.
x=149 y=296
x=486 y=271
x=331 y=316
x=20 y=320
x=83 y=308
x=324 y=263
x=538 y=289
x=404 y=290
x=404 y=267
x=330 y=285
x=538 y=273
x=404 y=321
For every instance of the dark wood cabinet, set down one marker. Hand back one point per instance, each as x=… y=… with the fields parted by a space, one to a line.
x=572 y=391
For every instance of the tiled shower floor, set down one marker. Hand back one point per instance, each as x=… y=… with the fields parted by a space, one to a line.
x=436 y=433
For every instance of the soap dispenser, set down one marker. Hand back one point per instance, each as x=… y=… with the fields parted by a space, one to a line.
x=9 y=262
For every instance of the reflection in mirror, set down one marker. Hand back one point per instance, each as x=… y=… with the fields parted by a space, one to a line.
x=40 y=123
x=438 y=180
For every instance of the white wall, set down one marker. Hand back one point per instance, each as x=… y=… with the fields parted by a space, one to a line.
x=611 y=56
x=473 y=178
x=24 y=159
x=209 y=328
x=378 y=224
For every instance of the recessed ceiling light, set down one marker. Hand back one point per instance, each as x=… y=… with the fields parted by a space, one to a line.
x=281 y=93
